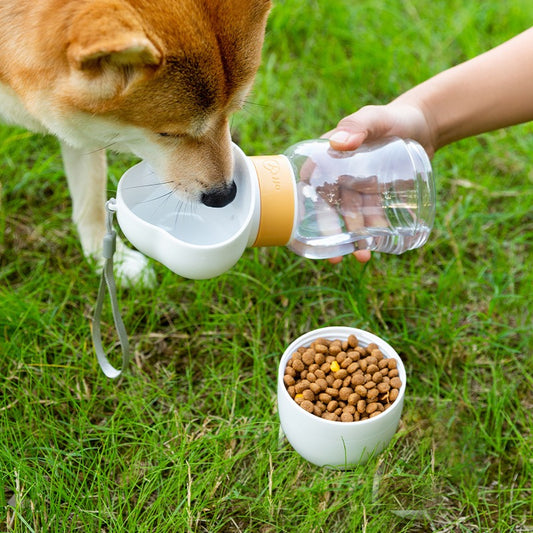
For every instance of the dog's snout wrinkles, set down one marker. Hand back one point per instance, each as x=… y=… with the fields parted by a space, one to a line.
x=220 y=196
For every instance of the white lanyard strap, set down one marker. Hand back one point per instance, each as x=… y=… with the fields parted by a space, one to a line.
x=108 y=280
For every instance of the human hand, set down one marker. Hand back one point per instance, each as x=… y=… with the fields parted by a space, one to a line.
x=341 y=202
x=363 y=256
x=371 y=123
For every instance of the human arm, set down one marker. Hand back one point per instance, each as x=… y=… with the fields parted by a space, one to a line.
x=491 y=91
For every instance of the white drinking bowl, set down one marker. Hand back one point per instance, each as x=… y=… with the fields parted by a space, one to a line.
x=331 y=443
x=191 y=239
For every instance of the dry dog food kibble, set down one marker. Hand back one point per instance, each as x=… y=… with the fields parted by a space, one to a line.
x=342 y=381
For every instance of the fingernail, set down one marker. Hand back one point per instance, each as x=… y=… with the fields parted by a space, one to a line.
x=340 y=136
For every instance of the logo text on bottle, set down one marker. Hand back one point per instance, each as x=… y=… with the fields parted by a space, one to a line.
x=273 y=168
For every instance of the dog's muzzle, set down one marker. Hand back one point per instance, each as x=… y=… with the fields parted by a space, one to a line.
x=219 y=196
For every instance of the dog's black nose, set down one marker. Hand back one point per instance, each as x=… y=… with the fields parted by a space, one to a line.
x=220 y=196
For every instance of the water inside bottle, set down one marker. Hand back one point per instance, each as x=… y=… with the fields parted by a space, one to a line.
x=388 y=223
x=326 y=246
x=379 y=197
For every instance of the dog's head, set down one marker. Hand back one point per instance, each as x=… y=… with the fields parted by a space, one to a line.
x=161 y=78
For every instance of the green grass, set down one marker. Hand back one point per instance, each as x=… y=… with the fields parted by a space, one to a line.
x=188 y=441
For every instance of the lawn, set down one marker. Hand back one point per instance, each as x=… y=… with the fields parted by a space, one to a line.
x=189 y=439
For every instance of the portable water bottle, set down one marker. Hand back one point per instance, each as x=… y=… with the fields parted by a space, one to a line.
x=319 y=202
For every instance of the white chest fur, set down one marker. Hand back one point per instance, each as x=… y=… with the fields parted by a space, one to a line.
x=13 y=111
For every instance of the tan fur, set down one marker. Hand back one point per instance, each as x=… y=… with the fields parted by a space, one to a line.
x=158 y=78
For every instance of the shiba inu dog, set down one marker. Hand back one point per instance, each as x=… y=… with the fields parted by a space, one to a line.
x=158 y=78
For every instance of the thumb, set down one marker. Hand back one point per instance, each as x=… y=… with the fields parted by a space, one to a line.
x=343 y=139
x=368 y=123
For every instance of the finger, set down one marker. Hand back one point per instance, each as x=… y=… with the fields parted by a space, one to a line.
x=342 y=140
x=363 y=256
x=374 y=212
x=352 y=210
x=307 y=169
x=369 y=123
x=362 y=184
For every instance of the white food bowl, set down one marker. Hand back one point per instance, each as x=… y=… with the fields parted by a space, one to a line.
x=330 y=443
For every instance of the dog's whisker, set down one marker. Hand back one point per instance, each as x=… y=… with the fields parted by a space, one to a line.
x=178 y=205
x=184 y=206
x=144 y=185
x=166 y=198
x=166 y=195
x=256 y=104
x=105 y=147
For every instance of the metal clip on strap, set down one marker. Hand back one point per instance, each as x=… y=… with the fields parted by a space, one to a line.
x=108 y=279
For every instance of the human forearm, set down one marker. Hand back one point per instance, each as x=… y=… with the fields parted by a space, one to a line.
x=491 y=91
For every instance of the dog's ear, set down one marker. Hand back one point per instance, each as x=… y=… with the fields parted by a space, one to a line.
x=108 y=46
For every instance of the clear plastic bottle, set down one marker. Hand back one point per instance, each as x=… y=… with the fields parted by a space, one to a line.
x=380 y=197
x=319 y=202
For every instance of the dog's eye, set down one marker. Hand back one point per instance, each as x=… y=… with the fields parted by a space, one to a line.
x=172 y=135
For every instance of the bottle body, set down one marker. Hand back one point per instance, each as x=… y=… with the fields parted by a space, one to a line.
x=380 y=197
x=319 y=202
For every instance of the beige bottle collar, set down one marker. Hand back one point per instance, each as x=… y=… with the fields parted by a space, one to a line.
x=277 y=200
